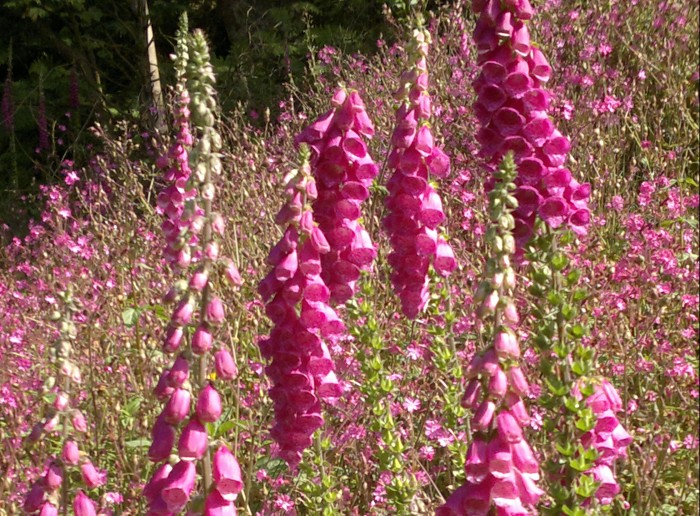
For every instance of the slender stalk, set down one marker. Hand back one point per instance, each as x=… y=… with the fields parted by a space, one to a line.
x=65 y=485
x=206 y=295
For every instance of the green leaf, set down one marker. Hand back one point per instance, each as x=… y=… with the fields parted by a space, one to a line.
x=580 y=295
x=580 y=463
x=559 y=261
x=568 y=311
x=566 y=450
x=132 y=407
x=555 y=298
x=573 y=277
x=556 y=388
x=130 y=316
x=577 y=331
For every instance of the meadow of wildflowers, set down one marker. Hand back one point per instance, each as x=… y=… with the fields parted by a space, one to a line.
x=457 y=277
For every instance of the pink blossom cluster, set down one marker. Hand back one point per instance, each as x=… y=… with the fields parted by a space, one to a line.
x=501 y=469
x=609 y=438
x=512 y=107
x=180 y=228
x=415 y=208
x=171 y=486
x=344 y=171
x=301 y=368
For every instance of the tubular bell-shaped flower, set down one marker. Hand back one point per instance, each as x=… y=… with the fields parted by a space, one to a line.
x=344 y=171
x=191 y=399
x=512 y=107
x=415 y=208
x=608 y=438
x=297 y=297
x=500 y=467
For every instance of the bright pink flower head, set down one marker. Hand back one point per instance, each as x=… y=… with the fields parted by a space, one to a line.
x=179 y=485
x=227 y=474
x=297 y=294
x=209 y=405
x=414 y=207
x=343 y=170
x=225 y=366
x=70 y=453
x=91 y=477
x=83 y=506
x=215 y=311
x=216 y=505
x=178 y=406
x=48 y=509
x=193 y=440
x=163 y=439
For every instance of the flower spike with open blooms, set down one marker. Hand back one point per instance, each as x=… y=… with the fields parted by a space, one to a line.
x=180 y=232
x=501 y=468
x=301 y=368
x=512 y=107
x=415 y=208
x=172 y=486
x=344 y=171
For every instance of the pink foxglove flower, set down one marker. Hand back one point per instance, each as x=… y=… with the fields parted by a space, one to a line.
x=83 y=506
x=193 y=440
x=209 y=406
x=179 y=485
x=414 y=207
x=609 y=438
x=512 y=108
x=500 y=469
x=227 y=474
x=300 y=367
x=343 y=170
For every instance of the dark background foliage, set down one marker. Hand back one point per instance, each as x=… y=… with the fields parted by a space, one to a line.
x=258 y=46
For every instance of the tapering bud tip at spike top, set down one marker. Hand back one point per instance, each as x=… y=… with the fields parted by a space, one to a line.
x=414 y=207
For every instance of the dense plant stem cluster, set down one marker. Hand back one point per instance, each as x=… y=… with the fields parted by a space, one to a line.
x=512 y=107
x=301 y=368
x=501 y=469
x=172 y=485
x=415 y=208
x=344 y=170
x=52 y=492
x=581 y=405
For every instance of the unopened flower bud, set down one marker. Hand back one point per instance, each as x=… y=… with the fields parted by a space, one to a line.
x=225 y=366
x=211 y=251
x=79 y=422
x=215 y=311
